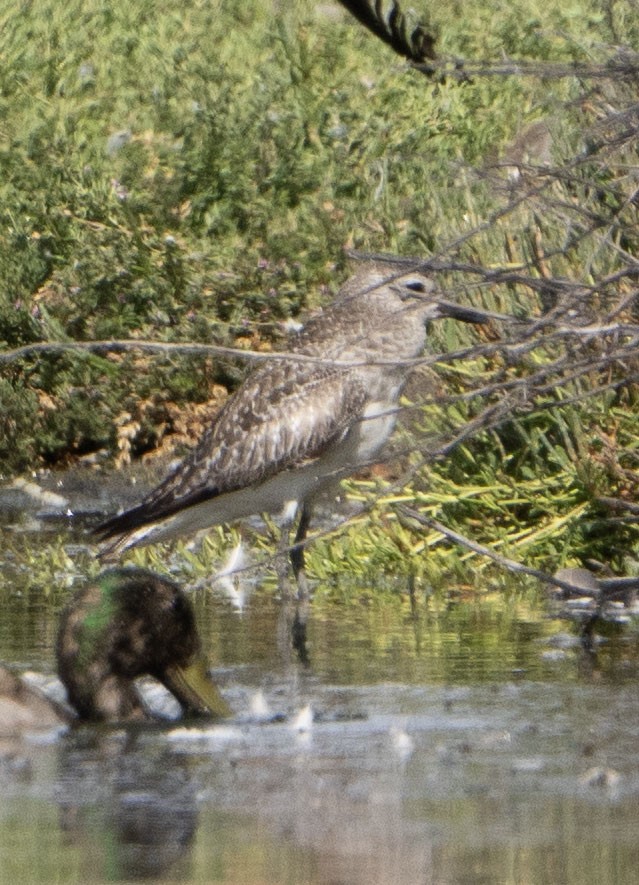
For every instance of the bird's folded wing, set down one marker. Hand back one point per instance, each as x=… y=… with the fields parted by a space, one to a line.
x=285 y=415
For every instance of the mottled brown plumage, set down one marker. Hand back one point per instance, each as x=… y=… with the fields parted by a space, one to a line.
x=126 y=623
x=25 y=709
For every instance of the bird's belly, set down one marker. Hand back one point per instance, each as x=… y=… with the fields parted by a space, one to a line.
x=370 y=434
x=358 y=447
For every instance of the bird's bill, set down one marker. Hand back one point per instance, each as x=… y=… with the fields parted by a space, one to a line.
x=469 y=314
x=195 y=690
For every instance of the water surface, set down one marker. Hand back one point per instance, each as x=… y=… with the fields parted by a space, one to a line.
x=457 y=740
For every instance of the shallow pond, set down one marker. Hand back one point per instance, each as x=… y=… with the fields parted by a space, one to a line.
x=459 y=741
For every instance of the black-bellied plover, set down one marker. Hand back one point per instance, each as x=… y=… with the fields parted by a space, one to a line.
x=300 y=422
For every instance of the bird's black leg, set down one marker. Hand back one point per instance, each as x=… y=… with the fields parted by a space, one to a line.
x=298 y=626
x=282 y=566
x=297 y=553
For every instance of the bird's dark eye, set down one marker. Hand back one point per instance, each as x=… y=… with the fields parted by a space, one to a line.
x=415 y=286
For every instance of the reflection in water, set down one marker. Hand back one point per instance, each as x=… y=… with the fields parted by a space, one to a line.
x=127 y=804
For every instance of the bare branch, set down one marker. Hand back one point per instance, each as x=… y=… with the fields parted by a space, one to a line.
x=624 y=66
x=408 y=513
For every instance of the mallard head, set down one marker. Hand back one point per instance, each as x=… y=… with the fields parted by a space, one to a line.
x=126 y=623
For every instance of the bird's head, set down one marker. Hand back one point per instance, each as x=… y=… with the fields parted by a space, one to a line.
x=421 y=290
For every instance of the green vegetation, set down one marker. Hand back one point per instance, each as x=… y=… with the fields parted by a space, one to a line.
x=195 y=174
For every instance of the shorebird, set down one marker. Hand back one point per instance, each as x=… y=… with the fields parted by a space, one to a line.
x=301 y=421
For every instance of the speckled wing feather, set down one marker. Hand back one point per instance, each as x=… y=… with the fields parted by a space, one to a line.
x=249 y=441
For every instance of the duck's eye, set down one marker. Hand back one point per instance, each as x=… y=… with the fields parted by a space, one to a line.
x=415 y=286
